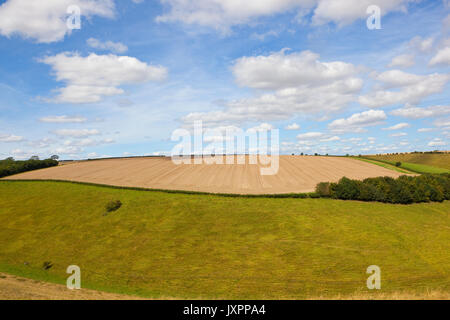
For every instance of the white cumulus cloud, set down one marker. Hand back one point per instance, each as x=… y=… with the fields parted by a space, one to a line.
x=402 y=61
x=223 y=14
x=63 y=119
x=76 y=133
x=292 y=126
x=116 y=47
x=402 y=87
x=310 y=136
x=398 y=126
x=417 y=113
x=46 y=21
x=89 y=79
x=442 y=57
x=358 y=121
x=287 y=84
x=9 y=138
x=425 y=129
x=421 y=44
x=437 y=143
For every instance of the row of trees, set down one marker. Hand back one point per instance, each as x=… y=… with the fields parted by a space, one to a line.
x=10 y=166
x=404 y=190
x=53 y=157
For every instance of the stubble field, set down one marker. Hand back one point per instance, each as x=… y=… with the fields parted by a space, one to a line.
x=296 y=174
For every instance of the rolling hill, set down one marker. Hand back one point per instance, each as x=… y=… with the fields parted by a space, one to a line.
x=203 y=246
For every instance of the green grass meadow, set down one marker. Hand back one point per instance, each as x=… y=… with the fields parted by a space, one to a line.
x=166 y=245
x=418 y=162
x=422 y=168
x=386 y=165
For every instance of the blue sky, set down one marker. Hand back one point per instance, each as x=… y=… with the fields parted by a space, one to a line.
x=138 y=70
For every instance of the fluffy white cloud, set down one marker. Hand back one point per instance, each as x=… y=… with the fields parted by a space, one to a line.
x=399 y=126
x=442 y=123
x=421 y=44
x=68 y=150
x=45 y=21
x=296 y=83
x=21 y=154
x=310 y=136
x=261 y=128
x=345 y=12
x=437 y=143
x=223 y=14
x=76 y=133
x=442 y=57
x=87 y=142
x=358 y=121
x=402 y=61
x=425 y=129
x=292 y=126
x=9 y=138
x=90 y=78
x=115 y=47
x=400 y=134
x=63 y=119
x=331 y=139
x=417 y=113
x=280 y=70
x=41 y=143
x=410 y=88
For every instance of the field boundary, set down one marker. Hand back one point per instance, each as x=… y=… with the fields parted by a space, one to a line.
x=187 y=192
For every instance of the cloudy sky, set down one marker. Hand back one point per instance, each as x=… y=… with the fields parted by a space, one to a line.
x=137 y=70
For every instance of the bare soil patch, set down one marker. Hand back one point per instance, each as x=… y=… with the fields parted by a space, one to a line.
x=17 y=288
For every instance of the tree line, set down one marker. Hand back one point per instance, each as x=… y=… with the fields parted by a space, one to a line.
x=10 y=166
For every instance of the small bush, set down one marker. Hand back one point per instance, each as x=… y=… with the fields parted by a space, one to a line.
x=113 y=206
x=398 y=164
x=347 y=189
x=324 y=189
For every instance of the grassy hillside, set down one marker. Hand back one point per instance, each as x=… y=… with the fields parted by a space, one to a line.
x=201 y=246
x=436 y=160
x=385 y=165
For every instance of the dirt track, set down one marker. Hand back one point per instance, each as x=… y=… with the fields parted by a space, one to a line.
x=296 y=174
x=18 y=288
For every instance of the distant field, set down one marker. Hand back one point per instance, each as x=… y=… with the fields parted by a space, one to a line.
x=296 y=174
x=412 y=160
x=385 y=165
x=203 y=246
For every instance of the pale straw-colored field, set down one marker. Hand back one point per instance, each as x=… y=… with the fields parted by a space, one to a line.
x=296 y=174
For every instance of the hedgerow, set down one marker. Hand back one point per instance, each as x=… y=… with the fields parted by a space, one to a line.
x=404 y=190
